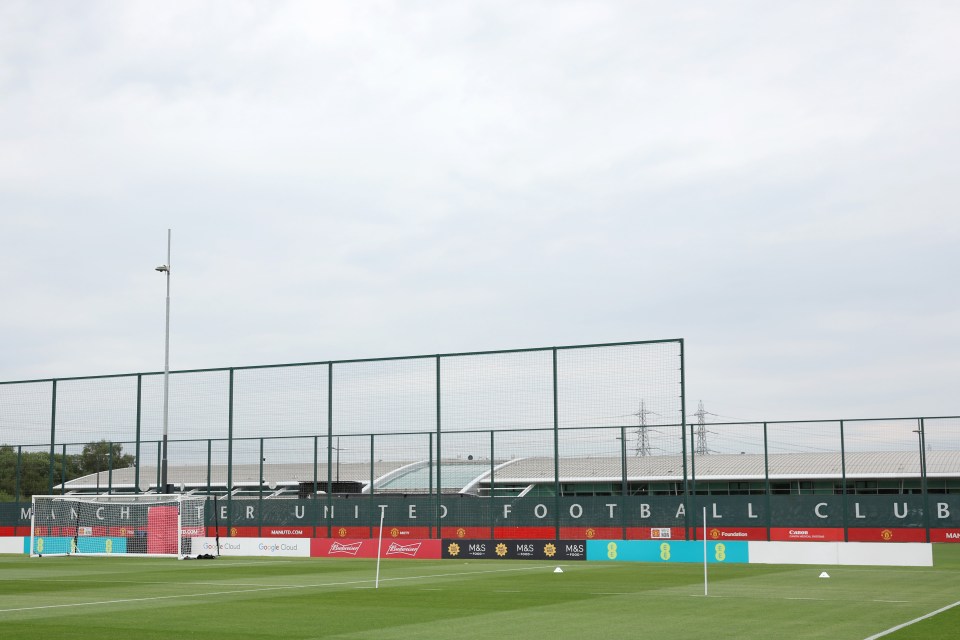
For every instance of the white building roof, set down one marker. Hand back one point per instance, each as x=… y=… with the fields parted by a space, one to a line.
x=417 y=476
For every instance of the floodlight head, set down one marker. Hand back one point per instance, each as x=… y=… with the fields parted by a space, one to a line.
x=163 y=268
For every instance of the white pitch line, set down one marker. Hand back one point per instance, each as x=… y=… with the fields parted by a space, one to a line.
x=914 y=621
x=272 y=588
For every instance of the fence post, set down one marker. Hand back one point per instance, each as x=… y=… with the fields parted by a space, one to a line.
x=924 y=489
x=766 y=477
x=19 y=472
x=209 y=463
x=260 y=494
x=686 y=487
x=430 y=480
x=373 y=502
x=313 y=496
x=230 y=456
x=493 y=515
x=136 y=464
x=329 y=450
x=843 y=484
x=556 y=450
x=439 y=459
x=63 y=470
x=109 y=469
x=53 y=435
x=683 y=439
x=624 y=491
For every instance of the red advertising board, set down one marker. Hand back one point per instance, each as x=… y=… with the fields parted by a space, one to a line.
x=889 y=534
x=944 y=535
x=286 y=532
x=733 y=533
x=367 y=548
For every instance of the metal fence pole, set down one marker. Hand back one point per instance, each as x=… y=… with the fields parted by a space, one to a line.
x=260 y=494
x=683 y=439
x=556 y=450
x=372 y=478
x=924 y=489
x=16 y=492
x=63 y=470
x=209 y=463
x=136 y=455
x=109 y=469
x=53 y=435
x=439 y=460
x=230 y=400
x=329 y=500
x=493 y=522
x=843 y=484
x=766 y=477
x=624 y=490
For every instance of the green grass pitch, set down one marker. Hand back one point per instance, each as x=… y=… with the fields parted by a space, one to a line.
x=245 y=598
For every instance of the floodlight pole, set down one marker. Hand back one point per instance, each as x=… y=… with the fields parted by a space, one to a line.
x=165 y=268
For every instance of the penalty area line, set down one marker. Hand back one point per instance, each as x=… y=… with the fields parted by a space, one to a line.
x=914 y=621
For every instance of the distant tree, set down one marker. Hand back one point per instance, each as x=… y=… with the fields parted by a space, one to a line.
x=34 y=470
x=102 y=456
x=8 y=471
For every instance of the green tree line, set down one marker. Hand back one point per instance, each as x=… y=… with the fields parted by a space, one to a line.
x=34 y=467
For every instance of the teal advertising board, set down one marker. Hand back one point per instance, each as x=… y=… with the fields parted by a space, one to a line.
x=64 y=545
x=667 y=551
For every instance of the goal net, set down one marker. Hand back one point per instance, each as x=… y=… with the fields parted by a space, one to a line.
x=112 y=525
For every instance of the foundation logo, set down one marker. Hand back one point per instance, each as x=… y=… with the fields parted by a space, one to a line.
x=345 y=549
x=591 y=533
x=887 y=535
x=453 y=549
x=342 y=532
x=501 y=549
x=549 y=550
x=394 y=532
x=409 y=550
x=461 y=532
x=715 y=534
x=233 y=532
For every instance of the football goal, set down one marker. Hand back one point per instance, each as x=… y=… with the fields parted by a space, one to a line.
x=116 y=525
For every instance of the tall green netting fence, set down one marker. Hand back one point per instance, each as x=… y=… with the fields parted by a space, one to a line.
x=523 y=442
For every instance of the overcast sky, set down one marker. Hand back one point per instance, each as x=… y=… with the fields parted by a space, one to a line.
x=775 y=182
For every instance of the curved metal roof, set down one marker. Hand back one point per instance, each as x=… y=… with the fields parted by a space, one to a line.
x=467 y=476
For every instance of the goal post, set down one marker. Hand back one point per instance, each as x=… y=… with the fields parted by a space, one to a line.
x=151 y=525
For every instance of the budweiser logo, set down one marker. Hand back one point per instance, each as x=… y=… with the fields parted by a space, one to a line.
x=403 y=549
x=349 y=549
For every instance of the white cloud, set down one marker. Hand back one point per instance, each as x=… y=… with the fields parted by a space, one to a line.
x=774 y=183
